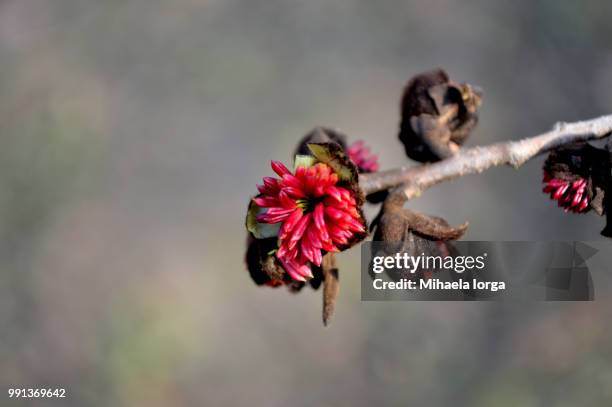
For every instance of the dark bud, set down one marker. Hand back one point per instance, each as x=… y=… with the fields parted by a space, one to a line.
x=317 y=277
x=265 y=269
x=320 y=135
x=262 y=264
x=437 y=115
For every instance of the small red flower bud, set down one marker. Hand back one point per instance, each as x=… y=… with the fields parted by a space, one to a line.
x=572 y=196
x=574 y=176
x=362 y=157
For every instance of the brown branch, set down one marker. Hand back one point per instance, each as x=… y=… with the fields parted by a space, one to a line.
x=412 y=181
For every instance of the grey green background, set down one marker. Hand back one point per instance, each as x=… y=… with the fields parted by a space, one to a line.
x=133 y=132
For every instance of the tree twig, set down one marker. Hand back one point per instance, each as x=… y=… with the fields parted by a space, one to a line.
x=410 y=182
x=330 y=286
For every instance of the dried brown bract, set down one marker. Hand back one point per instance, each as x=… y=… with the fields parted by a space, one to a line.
x=263 y=266
x=406 y=231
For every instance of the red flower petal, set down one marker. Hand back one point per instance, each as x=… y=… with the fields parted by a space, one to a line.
x=279 y=168
x=290 y=223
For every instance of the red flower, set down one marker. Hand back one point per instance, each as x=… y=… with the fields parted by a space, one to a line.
x=362 y=157
x=315 y=213
x=571 y=195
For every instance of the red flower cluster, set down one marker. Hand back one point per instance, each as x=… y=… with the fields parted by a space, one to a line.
x=316 y=214
x=572 y=196
x=362 y=157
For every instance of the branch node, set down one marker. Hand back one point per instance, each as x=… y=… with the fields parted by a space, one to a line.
x=560 y=126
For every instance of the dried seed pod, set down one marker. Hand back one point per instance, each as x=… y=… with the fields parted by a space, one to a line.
x=437 y=115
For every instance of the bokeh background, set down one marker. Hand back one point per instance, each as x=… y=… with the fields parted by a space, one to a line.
x=133 y=133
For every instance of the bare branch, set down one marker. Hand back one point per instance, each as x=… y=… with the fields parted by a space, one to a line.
x=414 y=180
x=330 y=286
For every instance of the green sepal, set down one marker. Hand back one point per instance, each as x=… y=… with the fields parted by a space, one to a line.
x=334 y=156
x=260 y=230
x=303 y=161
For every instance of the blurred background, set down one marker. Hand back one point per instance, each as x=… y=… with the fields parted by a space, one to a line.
x=133 y=133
